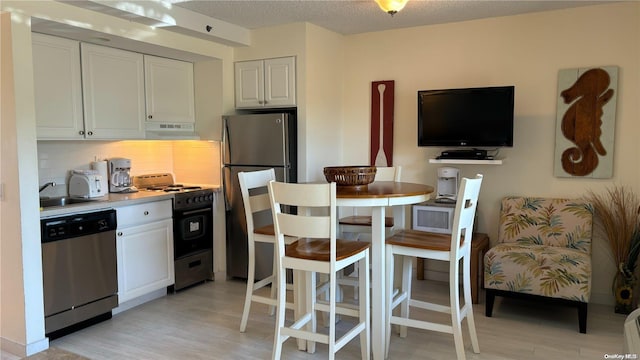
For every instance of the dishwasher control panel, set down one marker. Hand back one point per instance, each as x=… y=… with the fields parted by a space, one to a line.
x=77 y=225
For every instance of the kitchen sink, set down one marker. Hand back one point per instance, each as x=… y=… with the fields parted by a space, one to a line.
x=61 y=201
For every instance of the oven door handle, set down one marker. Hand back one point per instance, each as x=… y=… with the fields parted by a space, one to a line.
x=186 y=213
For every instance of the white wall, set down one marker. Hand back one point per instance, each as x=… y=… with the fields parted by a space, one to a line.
x=526 y=51
x=324 y=94
x=21 y=305
x=11 y=294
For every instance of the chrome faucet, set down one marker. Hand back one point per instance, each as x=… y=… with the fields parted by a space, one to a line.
x=46 y=186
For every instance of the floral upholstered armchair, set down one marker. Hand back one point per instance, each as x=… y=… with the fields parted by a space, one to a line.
x=543 y=251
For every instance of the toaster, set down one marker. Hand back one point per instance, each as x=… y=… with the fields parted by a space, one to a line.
x=86 y=184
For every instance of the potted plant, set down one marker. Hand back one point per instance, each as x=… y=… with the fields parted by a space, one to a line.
x=618 y=209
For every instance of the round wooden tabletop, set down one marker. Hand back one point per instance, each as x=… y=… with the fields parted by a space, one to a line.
x=384 y=189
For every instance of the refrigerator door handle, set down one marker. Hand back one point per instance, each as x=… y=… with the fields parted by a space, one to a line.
x=225 y=141
x=225 y=187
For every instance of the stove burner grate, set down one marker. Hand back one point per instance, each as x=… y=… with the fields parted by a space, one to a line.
x=173 y=188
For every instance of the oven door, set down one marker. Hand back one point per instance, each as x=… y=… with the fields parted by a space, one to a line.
x=192 y=231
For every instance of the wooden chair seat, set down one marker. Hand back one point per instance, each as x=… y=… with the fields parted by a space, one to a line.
x=422 y=240
x=265 y=230
x=362 y=220
x=319 y=249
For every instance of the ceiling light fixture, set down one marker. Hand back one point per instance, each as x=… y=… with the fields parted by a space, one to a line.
x=391 y=6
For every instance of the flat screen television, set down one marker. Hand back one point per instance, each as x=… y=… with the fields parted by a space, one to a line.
x=472 y=117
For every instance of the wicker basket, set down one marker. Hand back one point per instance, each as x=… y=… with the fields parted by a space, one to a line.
x=351 y=176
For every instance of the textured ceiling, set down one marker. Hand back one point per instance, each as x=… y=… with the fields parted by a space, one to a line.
x=359 y=16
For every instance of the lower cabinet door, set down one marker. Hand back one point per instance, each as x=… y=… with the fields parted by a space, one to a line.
x=145 y=259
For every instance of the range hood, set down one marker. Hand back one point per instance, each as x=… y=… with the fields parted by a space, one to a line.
x=170 y=131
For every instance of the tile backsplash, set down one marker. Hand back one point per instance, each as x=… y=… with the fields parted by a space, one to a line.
x=189 y=161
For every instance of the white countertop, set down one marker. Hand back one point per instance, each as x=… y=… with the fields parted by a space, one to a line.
x=110 y=201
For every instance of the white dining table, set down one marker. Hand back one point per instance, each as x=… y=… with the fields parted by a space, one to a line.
x=378 y=196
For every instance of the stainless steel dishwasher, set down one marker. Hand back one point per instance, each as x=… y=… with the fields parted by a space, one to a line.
x=79 y=270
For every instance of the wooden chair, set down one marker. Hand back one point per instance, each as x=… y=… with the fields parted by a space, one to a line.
x=317 y=250
x=412 y=243
x=253 y=186
x=361 y=224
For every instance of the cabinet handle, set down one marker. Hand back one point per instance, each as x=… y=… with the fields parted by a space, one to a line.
x=266 y=102
x=90 y=133
x=119 y=233
x=260 y=102
x=146 y=213
x=150 y=117
x=81 y=132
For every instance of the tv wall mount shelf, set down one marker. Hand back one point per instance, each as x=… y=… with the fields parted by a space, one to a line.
x=466 y=161
x=465 y=156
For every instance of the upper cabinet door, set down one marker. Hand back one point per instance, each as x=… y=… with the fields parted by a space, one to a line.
x=280 y=82
x=114 y=101
x=268 y=83
x=58 y=87
x=169 y=90
x=249 y=81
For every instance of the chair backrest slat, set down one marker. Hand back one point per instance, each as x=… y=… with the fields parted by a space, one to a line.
x=305 y=226
x=319 y=223
x=465 y=212
x=251 y=182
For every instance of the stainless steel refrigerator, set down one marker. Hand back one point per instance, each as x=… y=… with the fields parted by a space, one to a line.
x=254 y=142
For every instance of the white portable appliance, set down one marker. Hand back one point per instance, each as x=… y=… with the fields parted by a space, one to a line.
x=448 y=181
x=119 y=176
x=86 y=184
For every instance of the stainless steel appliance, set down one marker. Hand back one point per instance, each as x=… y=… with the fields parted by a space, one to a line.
x=120 y=176
x=192 y=227
x=254 y=142
x=86 y=184
x=79 y=270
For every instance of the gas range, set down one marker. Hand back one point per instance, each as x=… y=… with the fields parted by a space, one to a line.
x=185 y=196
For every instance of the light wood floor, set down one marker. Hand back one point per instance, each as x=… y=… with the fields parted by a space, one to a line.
x=202 y=323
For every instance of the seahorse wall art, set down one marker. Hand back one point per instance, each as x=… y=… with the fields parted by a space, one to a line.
x=585 y=122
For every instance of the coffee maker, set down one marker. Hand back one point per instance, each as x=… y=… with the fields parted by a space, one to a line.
x=448 y=181
x=119 y=176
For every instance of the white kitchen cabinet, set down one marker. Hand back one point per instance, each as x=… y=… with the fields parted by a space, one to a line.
x=267 y=83
x=169 y=90
x=58 y=87
x=113 y=93
x=144 y=245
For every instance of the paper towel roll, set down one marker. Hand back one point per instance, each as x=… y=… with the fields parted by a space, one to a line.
x=101 y=167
